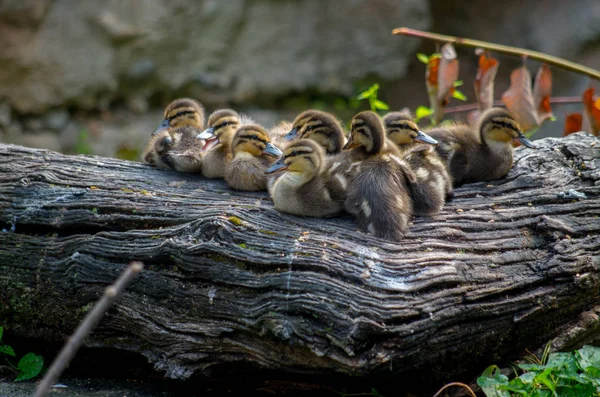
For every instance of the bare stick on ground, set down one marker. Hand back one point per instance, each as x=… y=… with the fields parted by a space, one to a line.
x=87 y=325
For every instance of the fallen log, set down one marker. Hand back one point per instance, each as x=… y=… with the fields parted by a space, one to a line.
x=231 y=283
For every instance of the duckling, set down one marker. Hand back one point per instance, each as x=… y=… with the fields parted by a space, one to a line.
x=321 y=127
x=182 y=112
x=481 y=154
x=378 y=195
x=253 y=153
x=222 y=125
x=176 y=149
x=434 y=184
x=325 y=129
x=169 y=146
x=404 y=132
x=301 y=190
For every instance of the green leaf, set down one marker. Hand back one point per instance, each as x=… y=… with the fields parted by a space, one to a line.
x=492 y=381
x=423 y=58
x=380 y=105
x=588 y=356
x=527 y=377
x=8 y=350
x=457 y=83
x=30 y=366
x=364 y=95
x=423 y=111
x=1 y=332
x=459 y=95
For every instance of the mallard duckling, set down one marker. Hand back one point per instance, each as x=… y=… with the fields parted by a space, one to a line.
x=378 y=194
x=176 y=149
x=433 y=185
x=182 y=112
x=301 y=190
x=169 y=146
x=325 y=129
x=253 y=153
x=222 y=125
x=480 y=154
x=404 y=132
x=320 y=127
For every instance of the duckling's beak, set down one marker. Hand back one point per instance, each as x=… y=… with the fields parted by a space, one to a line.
x=277 y=166
x=350 y=144
x=272 y=150
x=163 y=126
x=210 y=143
x=206 y=134
x=290 y=136
x=423 y=137
x=523 y=139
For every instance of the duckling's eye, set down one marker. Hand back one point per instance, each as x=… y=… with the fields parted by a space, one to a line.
x=294 y=153
x=310 y=128
x=224 y=124
x=182 y=113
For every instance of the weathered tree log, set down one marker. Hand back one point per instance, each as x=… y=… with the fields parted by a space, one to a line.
x=230 y=281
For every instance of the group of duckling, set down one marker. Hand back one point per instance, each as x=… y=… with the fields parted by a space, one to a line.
x=384 y=172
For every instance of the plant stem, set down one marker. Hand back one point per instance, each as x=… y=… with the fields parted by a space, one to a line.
x=549 y=59
x=473 y=106
x=89 y=322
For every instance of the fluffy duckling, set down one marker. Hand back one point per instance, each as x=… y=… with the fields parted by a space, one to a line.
x=320 y=127
x=170 y=146
x=480 y=154
x=434 y=184
x=325 y=129
x=182 y=112
x=222 y=125
x=378 y=194
x=253 y=153
x=176 y=149
x=301 y=190
x=404 y=132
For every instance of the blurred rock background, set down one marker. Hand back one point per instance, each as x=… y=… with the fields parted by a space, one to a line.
x=93 y=76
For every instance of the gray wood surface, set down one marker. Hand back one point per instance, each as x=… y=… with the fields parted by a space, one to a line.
x=230 y=282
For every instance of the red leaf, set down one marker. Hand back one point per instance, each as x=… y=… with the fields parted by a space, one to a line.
x=431 y=82
x=573 y=123
x=447 y=74
x=519 y=100
x=591 y=107
x=542 y=92
x=431 y=75
x=484 y=81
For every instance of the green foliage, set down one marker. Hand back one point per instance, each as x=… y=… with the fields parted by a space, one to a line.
x=5 y=349
x=574 y=374
x=83 y=145
x=423 y=111
x=30 y=364
x=371 y=95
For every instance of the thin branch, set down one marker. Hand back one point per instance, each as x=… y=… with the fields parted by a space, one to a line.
x=471 y=392
x=549 y=59
x=85 y=328
x=473 y=106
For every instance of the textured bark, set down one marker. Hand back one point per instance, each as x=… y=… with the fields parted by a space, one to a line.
x=230 y=282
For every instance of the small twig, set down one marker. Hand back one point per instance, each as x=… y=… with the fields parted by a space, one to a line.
x=521 y=52
x=87 y=325
x=473 y=106
x=471 y=392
